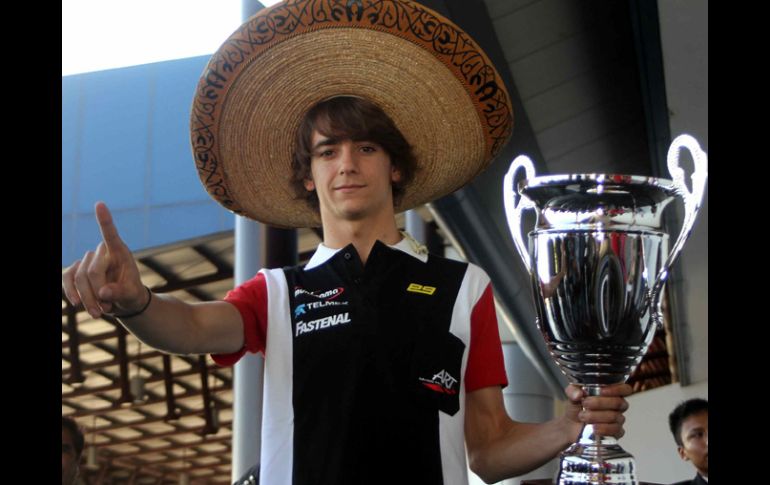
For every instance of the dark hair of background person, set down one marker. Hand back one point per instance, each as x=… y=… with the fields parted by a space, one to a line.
x=683 y=411
x=75 y=432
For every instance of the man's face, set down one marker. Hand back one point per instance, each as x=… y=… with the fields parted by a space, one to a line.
x=352 y=178
x=695 y=439
x=69 y=458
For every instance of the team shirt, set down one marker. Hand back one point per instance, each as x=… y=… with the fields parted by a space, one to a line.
x=367 y=367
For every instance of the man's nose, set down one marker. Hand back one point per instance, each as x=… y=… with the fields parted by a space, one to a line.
x=348 y=160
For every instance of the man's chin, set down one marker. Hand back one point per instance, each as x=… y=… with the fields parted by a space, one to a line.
x=354 y=213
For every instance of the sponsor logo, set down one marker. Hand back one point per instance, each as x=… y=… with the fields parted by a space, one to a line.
x=302 y=308
x=425 y=290
x=442 y=382
x=321 y=323
x=321 y=295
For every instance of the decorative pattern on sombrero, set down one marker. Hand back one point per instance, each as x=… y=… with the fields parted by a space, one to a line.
x=407 y=20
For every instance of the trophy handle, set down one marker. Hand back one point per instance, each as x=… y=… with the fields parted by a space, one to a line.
x=515 y=203
x=692 y=203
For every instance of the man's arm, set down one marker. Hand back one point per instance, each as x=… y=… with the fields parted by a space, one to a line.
x=500 y=448
x=107 y=280
x=177 y=327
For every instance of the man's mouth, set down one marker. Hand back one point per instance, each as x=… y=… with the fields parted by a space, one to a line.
x=348 y=188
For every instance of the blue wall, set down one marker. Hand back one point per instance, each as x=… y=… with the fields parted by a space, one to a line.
x=125 y=141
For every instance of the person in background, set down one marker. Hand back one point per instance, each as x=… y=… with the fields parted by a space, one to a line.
x=689 y=423
x=72 y=443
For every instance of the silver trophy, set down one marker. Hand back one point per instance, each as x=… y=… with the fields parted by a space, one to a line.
x=598 y=260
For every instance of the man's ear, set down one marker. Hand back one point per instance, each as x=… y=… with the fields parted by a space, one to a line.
x=309 y=185
x=682 y=454
x=395 y=174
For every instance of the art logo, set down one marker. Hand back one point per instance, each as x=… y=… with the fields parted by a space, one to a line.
x=442 y=382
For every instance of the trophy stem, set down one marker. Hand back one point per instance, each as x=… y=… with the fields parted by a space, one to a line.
x=596 y=459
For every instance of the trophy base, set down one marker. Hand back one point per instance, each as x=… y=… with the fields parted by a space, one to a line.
x=596 y=460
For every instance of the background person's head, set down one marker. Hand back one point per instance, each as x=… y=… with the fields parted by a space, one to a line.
x=689 y=423
x=355 y=119
x=72 y=443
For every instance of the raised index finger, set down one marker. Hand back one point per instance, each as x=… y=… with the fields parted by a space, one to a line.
x=107 y=227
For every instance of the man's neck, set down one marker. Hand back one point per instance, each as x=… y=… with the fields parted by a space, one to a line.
x=362 y=234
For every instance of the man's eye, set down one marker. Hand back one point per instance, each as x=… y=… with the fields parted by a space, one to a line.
x=326 y=153
x=368 y=149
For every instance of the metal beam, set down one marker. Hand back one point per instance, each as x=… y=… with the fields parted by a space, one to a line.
x=149 y=420
x=172 y=413
x=101 y=412
x=125 y=390
x=180 y=446
x=87 y=339
x=113 y=362
x=160 y=436
x=208 y=412
x=85 y=391
x=215 y=370
x=76 y=376
x=218 y=261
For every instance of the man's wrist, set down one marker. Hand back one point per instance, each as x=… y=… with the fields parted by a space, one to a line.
x=141 y=310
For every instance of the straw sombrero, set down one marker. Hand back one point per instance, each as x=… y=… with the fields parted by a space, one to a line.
x=426 y=73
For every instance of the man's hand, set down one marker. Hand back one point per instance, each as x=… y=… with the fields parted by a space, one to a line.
x=106 y=279
x=605 y=411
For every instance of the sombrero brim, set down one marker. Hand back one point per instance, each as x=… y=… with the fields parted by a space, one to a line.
x=439 y=88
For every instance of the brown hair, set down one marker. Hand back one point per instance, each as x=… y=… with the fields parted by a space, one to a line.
x=356 y=119
x=78 y=439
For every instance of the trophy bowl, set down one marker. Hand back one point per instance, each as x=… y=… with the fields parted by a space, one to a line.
x=598 y=259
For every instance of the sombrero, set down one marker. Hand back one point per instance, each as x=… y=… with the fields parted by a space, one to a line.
x=426 y=73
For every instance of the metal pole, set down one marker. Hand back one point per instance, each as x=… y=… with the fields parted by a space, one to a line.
x=415 y=226
x=248 y=372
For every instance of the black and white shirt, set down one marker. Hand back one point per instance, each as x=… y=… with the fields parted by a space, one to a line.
x=367 y=367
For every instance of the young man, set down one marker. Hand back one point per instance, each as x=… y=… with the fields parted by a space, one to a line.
x=72 y=443
x=381 y=360
x=370 y=373
x=689 y=423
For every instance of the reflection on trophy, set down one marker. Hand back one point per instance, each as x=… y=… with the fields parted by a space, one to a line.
x=598 y=259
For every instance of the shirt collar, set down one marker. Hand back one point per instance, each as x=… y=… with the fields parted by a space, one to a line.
x=407 y=244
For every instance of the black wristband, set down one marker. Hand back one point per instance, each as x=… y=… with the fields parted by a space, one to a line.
x=139 y=312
